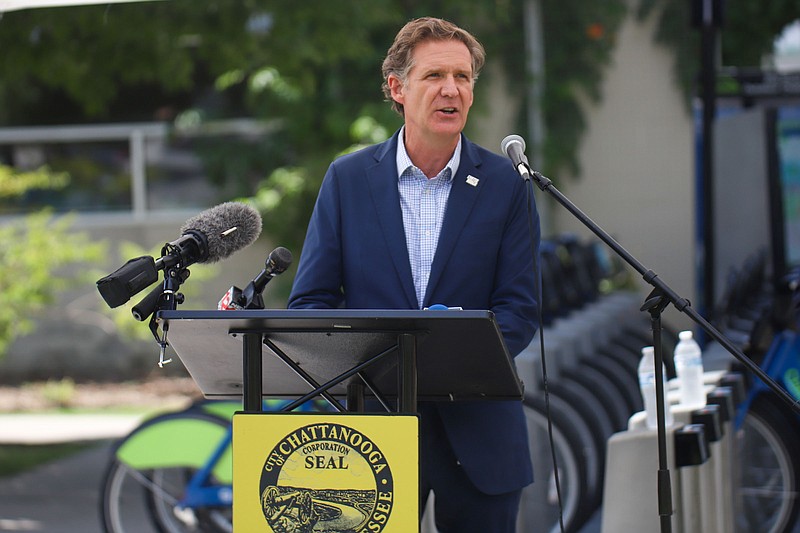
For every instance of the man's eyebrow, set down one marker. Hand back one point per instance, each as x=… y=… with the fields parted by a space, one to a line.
x=445 y=68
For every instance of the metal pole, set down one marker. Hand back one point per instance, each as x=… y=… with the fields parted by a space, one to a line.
x=708 y=80
x=138 y=177
x=534 y=47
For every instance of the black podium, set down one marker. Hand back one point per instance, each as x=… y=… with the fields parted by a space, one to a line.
x=399 y=355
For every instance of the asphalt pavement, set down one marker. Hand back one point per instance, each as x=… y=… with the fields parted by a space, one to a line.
x=62 y=496
x=58 y=497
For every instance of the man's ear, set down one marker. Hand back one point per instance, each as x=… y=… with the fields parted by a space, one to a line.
x=395 y=88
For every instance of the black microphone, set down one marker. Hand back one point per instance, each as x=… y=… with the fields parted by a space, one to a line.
x=212 y=235
x=250 y=298
x=514 y=147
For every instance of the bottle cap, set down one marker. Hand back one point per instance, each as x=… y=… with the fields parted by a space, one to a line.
x=685 y=335
x=648 y=351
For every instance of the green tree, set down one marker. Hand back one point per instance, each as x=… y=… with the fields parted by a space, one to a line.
x=39 y=256
x=14 y=183
x=310 y=68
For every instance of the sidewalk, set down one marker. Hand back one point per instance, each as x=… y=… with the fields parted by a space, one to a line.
x=104 y=411
x=53 y=428
x=56 y=497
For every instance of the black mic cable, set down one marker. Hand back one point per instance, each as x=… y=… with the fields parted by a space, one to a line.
x=514 y=147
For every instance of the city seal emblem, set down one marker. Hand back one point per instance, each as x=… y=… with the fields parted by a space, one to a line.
x=326 y=477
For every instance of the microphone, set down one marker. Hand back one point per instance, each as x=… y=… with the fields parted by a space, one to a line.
x=250 y=298
x=208 y=237
x=514 y=147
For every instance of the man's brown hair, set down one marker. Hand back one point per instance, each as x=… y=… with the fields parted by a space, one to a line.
x=399 y=59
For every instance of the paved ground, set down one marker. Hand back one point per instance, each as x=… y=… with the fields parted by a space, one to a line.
x=64 y=496
x=61 y=497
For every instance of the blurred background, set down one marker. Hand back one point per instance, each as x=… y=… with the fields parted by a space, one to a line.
x=670 y=122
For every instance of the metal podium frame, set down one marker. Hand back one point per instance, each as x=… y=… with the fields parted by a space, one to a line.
x=443 y=355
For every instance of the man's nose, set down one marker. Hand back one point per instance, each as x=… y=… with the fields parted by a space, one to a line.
x=449 y=86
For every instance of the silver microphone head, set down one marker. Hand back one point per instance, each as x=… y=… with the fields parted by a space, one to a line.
x=509 y=140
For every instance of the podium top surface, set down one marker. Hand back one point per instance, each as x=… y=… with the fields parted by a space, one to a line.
x=460 y=354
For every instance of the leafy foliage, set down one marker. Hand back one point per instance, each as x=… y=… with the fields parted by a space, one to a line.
x=15 y=183
x=90 y=52
x=310 y=68
x=40 y=256
x=306 y=66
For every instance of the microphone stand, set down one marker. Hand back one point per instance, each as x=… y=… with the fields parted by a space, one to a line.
x=660 y=297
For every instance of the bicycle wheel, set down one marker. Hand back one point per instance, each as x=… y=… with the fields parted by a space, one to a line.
x=539 y=510
x=171 y=520
x=767 y=493
x=143 y=501
x=134 y=500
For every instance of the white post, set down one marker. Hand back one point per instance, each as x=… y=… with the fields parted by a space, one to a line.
x=138 y=176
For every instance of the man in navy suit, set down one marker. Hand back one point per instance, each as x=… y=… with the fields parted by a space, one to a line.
x=429 y=217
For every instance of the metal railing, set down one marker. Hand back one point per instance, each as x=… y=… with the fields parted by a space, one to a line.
x=137 y=135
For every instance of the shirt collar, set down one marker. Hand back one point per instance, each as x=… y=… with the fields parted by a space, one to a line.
x=404 y=162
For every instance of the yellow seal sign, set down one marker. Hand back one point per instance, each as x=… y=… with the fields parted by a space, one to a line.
x=329 y=476
x=333 y=474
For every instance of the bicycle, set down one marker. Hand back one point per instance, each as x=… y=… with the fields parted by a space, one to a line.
x=764 y=320
x=174 y=471
x=767 y=437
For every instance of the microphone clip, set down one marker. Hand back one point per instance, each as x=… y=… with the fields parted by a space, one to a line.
x=163 y=298
x=524 y=170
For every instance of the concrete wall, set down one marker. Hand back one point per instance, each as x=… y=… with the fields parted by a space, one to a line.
x=637 y=159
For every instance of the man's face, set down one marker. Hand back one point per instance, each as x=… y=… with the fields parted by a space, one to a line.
x=438 y=92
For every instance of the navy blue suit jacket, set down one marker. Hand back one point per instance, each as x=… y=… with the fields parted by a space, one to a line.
x=355 y=256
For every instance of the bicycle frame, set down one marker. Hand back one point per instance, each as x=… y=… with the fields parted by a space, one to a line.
x=782 y=363
x=200 y=492
x=175 y=440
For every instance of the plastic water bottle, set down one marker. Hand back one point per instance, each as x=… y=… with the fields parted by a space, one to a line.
x=647 y=384
x=689 y=368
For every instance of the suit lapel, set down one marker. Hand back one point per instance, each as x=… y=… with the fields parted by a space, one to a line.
x=463 y=194
x=382 y=183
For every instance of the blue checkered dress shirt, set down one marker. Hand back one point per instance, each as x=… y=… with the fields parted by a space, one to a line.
x=423 y=202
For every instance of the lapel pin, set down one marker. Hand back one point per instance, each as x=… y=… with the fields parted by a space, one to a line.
x=472 y=180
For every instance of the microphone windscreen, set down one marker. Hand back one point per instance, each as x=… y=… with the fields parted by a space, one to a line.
x=228 y=227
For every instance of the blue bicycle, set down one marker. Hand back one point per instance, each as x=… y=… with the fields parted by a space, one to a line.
x=768 y=435
x=174 y=471
x=763 y=319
